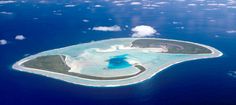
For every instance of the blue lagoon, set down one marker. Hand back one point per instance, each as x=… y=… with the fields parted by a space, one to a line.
x=118 y=62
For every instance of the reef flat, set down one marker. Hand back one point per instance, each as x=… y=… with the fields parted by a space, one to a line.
x=113 y=62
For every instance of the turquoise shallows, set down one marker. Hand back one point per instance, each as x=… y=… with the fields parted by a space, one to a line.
x=118 y=62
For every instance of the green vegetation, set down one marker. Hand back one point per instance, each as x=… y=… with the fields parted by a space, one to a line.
x=49 y=63
x=172 y=46
x=140 y=67
x=55 y=63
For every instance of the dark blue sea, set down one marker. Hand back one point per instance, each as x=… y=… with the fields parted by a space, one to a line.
x=50 y=24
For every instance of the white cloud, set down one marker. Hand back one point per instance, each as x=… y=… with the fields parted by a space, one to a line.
x=232 y=73
x=7 y=1
x=180 y=27
x=143 y=31
x=175 y=22
x=135 y=3
x=97 y=6
x=180 y=0
x=231 y=2
x=119 y=4
x=70 y=5
x=150 y=6
x=216 y=36
x=192 y=4
x=231 y=7
x=120 y=1
x=105 y=28
x=85 y=20
x=231 y=31
x=20 y=37
x=43 y=1
x=200 y=0
x=161 y=3
x=217 y=4
x=3 y=42
x=222 y=5
x=6 y=13
x=87 y=1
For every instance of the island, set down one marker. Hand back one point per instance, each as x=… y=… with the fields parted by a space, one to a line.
x=114 y=62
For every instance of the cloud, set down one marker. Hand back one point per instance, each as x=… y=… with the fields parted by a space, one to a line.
x=143 y=31
x=97 y=6
x=231 y=7
x=217 y=4
x=180 y=0
x=3 y=42
x=85 y=20
x=232 y=73
x=192 y=4
x=70 y=5
x=231 y=31
x=7 y=2
x=175 y=22
x=135 y=3
x=105 y=28
x=20 y=37
x=6 y=13
x=161 y=3
x=43 y=1
x=200 y=0
x=180 y=27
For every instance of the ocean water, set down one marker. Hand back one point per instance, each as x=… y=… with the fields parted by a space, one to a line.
x=48 y=24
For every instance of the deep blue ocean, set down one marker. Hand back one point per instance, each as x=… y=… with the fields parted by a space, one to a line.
x=49 y=24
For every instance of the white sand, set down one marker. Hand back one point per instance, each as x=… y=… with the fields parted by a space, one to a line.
x=122 y=47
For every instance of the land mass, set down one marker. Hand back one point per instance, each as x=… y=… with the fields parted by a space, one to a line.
x=88 y=64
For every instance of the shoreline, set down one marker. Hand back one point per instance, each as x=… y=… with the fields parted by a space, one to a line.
x=77 y=80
